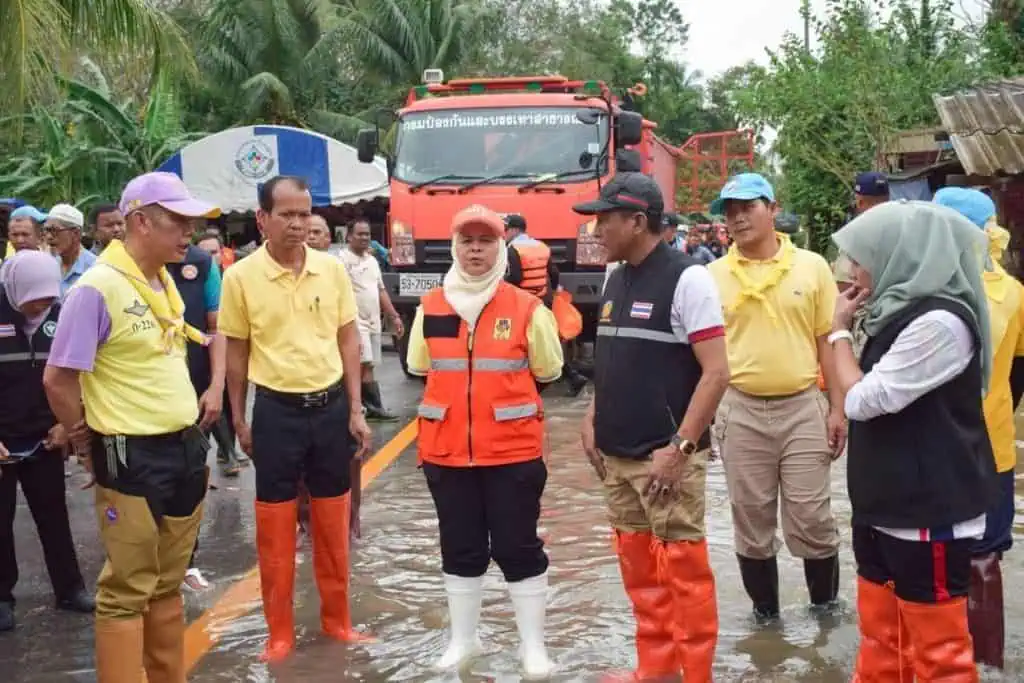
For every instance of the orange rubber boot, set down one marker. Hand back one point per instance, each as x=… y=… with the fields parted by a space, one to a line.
x=943 y=650
x=656 y=655
x=330 y=523
x=884 y=652
x=275 y=544
x=684 y=567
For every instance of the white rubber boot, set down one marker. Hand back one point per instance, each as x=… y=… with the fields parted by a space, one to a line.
x=464 y=599
x=530 y=601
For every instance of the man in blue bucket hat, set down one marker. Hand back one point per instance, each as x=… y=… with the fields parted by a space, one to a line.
x=776 y=431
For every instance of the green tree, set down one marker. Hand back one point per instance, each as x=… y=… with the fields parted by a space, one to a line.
x=39 y=37
x=872 y=76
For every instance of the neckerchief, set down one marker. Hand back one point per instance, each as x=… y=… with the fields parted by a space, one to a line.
x=750 y=290
x=167 y=306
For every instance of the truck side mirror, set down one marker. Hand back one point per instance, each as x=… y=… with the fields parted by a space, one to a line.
x=366 y=145
x=628 y=161
x=629 y=128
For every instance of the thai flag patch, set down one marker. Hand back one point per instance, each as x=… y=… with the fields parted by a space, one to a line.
x=7 y=331
x=641 y=310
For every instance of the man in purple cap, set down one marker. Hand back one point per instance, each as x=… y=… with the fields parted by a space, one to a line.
x=870 y=189
x=118 y=381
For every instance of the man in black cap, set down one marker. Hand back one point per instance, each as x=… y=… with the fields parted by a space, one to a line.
x=660 y=369
x=530 y=267
x=870 y=189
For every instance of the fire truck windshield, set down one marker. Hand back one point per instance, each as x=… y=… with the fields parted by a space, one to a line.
x=520 y=145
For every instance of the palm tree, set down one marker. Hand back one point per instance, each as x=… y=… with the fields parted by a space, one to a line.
x=396 y=40
x=38 y=37
x=277 y=61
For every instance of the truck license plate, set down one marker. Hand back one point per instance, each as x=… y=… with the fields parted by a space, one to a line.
x=418 y=284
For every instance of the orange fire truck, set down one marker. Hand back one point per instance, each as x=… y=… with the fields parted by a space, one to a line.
x=534 y=146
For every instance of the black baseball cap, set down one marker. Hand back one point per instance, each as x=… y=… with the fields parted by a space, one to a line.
x=514 y=220
x=626 y=192
x=670 y=219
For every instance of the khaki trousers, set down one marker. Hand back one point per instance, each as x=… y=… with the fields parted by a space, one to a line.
x=681 y=519
x=772 y=446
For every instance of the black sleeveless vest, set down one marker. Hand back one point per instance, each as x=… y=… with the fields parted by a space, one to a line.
x=190 y=277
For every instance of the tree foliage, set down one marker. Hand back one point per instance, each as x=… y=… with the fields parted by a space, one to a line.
x=834 y=108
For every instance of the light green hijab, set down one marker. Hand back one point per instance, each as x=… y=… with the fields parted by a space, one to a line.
x=914 y=250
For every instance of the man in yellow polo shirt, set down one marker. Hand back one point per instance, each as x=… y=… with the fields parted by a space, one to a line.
x=776 y=431
x=117 y=380
x=289 y=315
x=1006 y=318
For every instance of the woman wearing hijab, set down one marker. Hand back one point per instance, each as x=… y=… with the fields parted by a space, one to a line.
x=1006 y=321
x=31 y=441
x=483 y=346
x=920 y=469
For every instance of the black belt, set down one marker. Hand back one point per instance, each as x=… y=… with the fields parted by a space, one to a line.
x=312 y=399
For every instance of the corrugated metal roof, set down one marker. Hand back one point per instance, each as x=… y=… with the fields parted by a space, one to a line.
x=986 y=126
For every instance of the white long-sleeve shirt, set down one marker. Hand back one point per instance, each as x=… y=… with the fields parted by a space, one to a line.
x=930 y=351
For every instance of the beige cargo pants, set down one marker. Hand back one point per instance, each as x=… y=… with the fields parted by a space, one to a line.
x=774 y=449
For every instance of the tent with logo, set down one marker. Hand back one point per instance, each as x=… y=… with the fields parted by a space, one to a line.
x=227 y=168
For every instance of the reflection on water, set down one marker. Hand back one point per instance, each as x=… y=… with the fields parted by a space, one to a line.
x=398 y=594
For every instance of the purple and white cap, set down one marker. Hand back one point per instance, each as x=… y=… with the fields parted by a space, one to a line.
x=167 y=191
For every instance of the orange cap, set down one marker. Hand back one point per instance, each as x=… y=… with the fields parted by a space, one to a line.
x=480 y=216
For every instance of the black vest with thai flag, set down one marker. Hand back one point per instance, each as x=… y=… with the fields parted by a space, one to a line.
x=25 y=414
x=644 y=376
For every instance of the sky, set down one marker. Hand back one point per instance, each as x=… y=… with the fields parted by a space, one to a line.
x=726 y=33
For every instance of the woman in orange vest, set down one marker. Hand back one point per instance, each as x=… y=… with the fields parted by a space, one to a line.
x=484 y=346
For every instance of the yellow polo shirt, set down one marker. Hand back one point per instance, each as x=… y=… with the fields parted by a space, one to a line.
x=1006 y=320
x=777 y=357
x=291 y=322
x=544 y=346
x=135 y=387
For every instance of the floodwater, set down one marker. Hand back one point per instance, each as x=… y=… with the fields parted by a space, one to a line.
x=398 y=593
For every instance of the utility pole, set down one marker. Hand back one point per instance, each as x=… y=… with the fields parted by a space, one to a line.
x=805 y=10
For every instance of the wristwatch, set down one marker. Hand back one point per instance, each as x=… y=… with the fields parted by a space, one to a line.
x=684 y=446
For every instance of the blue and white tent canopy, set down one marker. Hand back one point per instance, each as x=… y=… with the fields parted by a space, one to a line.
x=228 y=167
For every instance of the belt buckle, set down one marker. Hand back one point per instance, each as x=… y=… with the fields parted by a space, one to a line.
x=316 y=399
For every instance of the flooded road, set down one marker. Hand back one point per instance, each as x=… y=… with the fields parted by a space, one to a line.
x=398 y=592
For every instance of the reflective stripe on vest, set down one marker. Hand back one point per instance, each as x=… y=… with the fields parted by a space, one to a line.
x=534 y=258
x=480 y=364
x=637 y=333
x=22 y=356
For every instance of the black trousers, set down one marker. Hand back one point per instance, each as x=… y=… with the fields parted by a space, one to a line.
x=42 y=482
x=224 y=432
x=291 y=442
x=920 y=571
x=490 y=512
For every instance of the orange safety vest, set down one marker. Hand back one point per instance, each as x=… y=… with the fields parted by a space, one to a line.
x=534 y=257
x=481 y=406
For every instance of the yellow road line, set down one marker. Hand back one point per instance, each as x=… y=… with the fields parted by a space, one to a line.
x=244 y=595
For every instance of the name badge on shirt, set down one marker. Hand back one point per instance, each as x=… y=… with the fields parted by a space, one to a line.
x=641 y=310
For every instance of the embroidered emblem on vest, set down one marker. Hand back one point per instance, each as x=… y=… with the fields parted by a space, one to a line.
x=641 y=310
x=606 y=312
x=189 y=271
x=503 y=329
x=49 y=328
x=137 y=308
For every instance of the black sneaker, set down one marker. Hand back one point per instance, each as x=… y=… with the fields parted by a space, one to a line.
x=6 y=616
x=78 y=601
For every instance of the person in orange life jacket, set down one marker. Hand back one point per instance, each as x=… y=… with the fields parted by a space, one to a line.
x=1005 y=296
x=530 y=267
x=921 y=472
x=31 y=441
x=484 y=346
x=660 y=369
x=197 y=278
